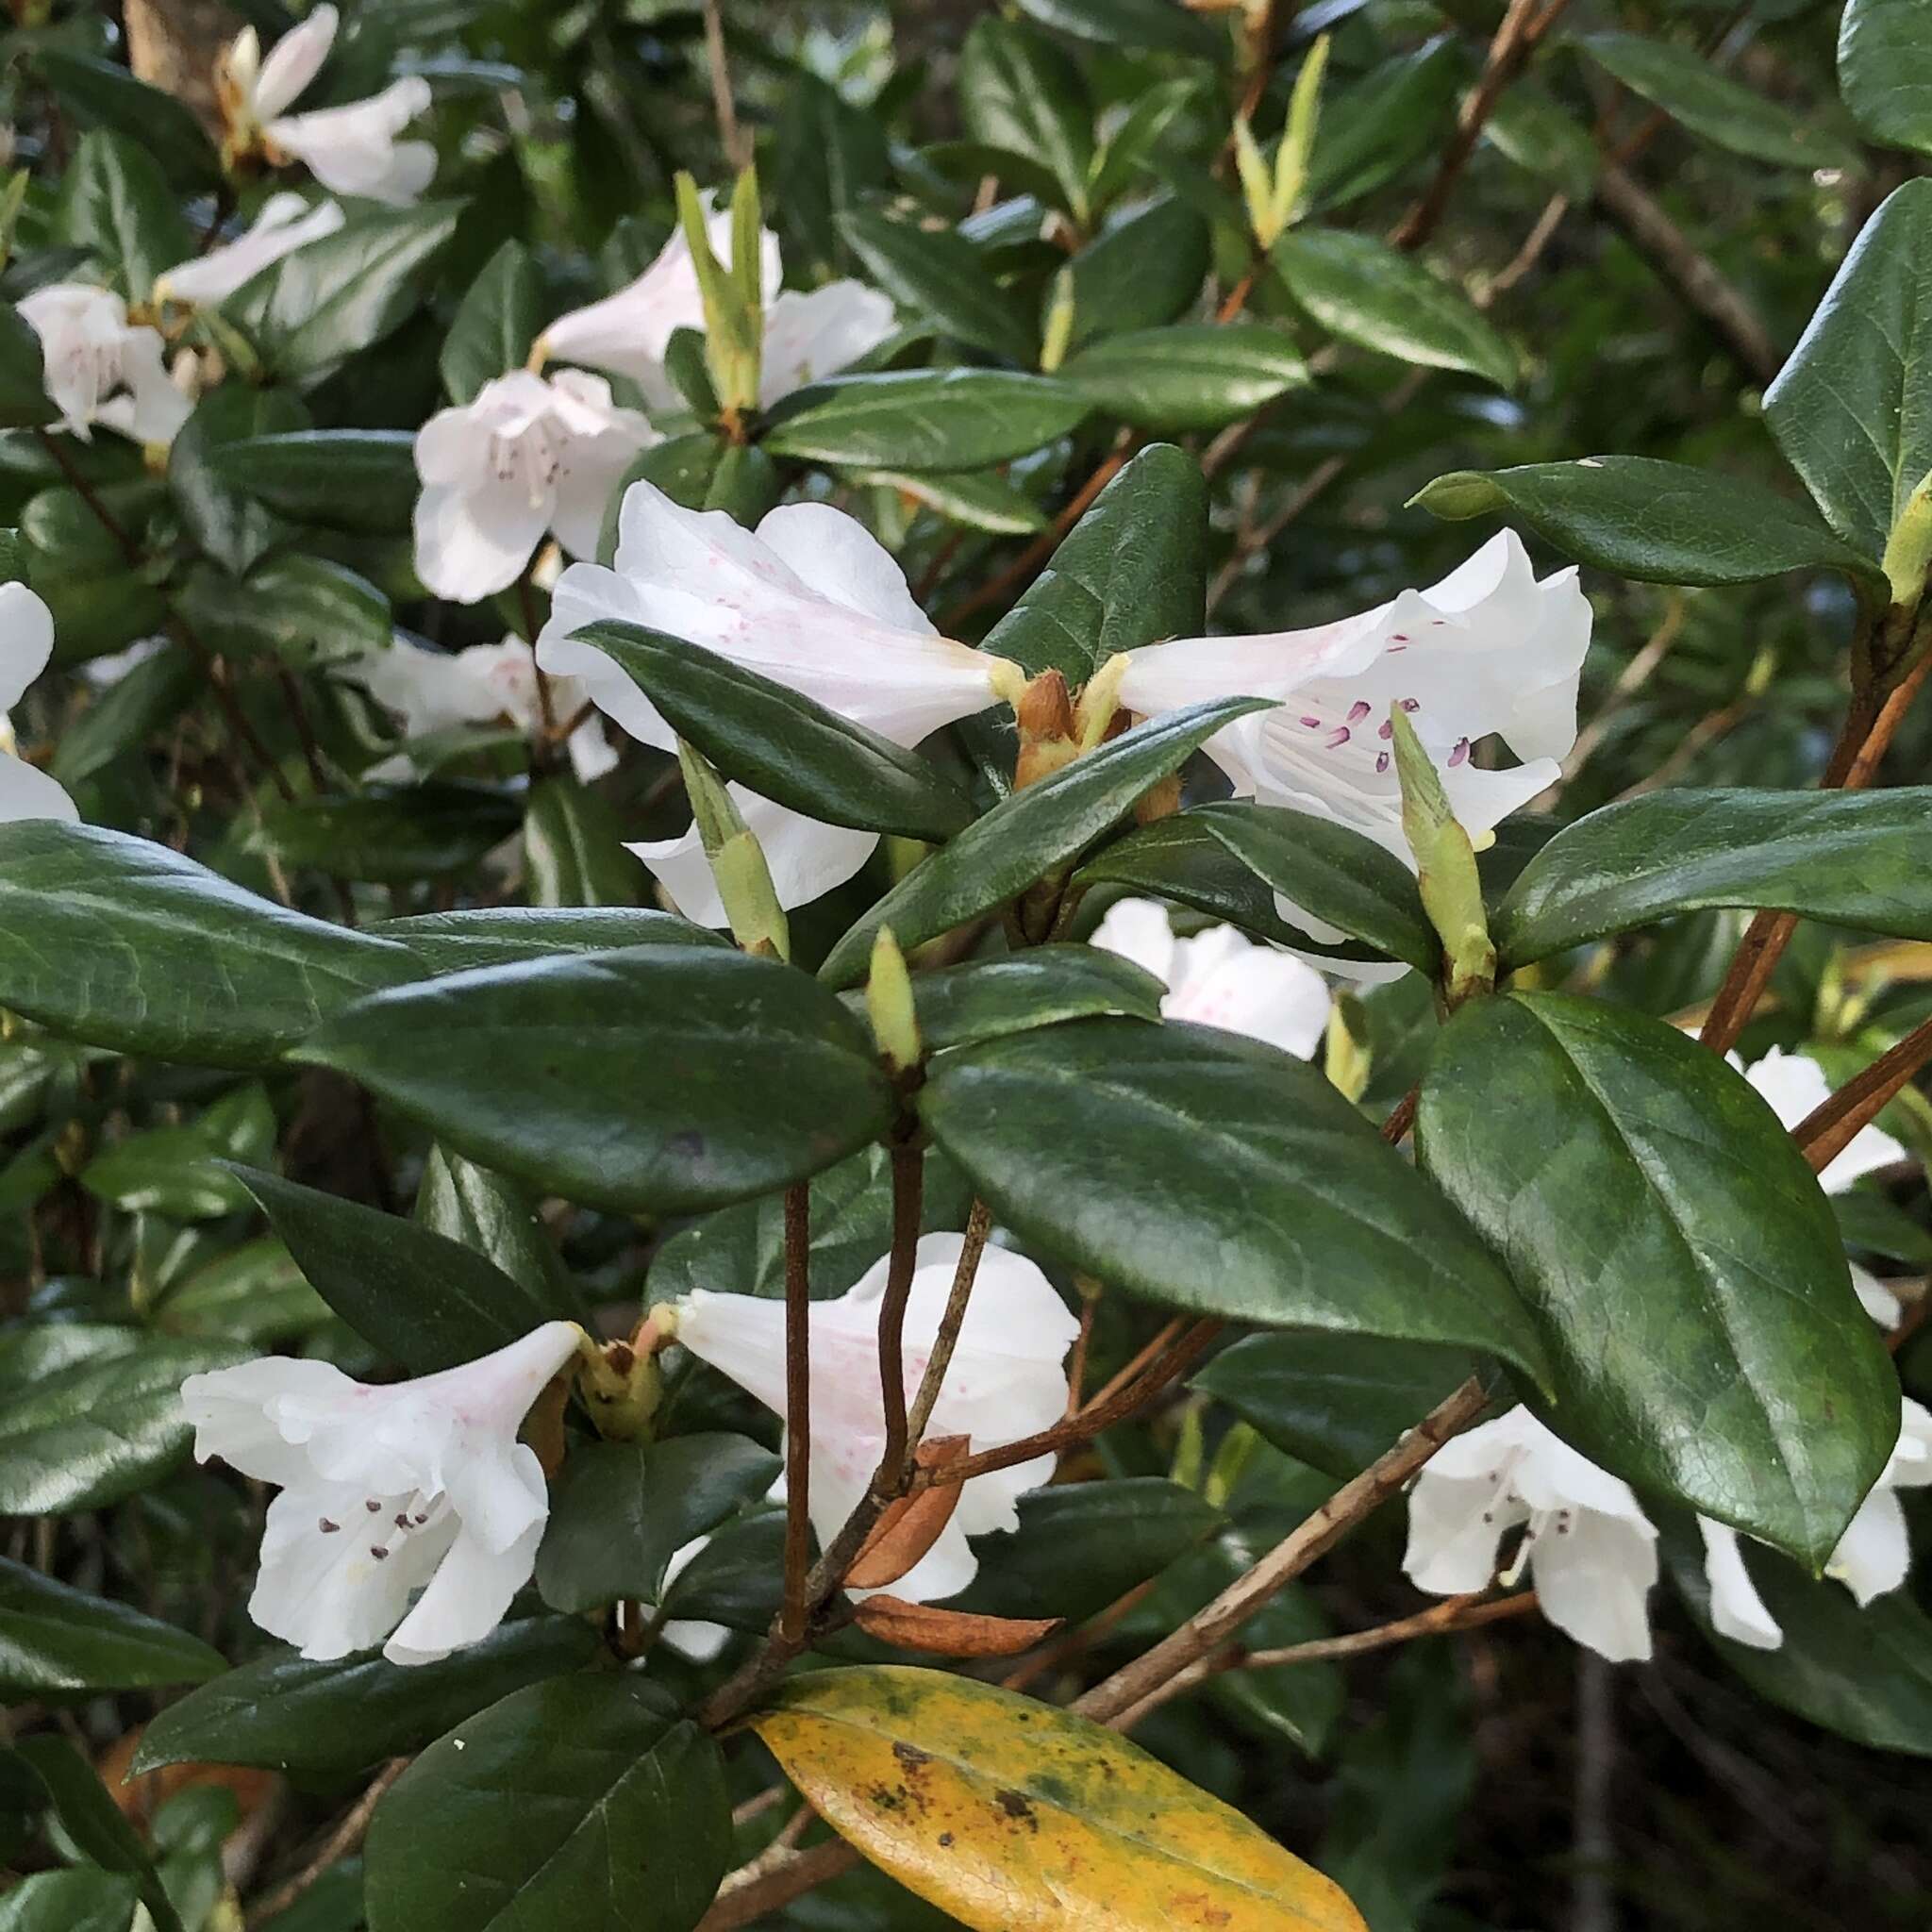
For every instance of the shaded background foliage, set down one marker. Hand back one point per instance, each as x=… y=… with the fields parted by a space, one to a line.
x=1500 y=1780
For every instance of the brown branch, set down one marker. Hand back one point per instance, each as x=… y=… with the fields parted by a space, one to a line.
x=1351 y=1505
x=1522 y=30
x=798 y=1408
x=1402 y=1117
x=947 y=1338
x=1028 y=565
x=748 y=1893
x=1457 y=1614
x=908 y=1170
x=1694 y=276
x=339 y=1844
x=738 y=150
x=1828 y=1129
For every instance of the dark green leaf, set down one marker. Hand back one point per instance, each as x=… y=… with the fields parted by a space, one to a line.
x=174 y=1170
x=56 y=1641
x=1080 y=1546
x=95 y=1430
x=351 y=479
x=24 y=399
x=1158 y=24
x=93 y=1821
x=117 y=205
x=494 y=936
x=284 y=1713
x=228 y=524
x=1333 y=1401
x=1690 y=90
x=1189 y=376
x=311 y=311
x=786 y=746
x=1849 y=408
x=1851 y=857
x=1682 y=1264
x=252 y=1293
x=425 y=1300
x=120 y=719
x=390 y=833
x=672 y=1077
x=1865 y=1674
x=1131 y=572
x=1884 y=71
x=1369 y=295
x=986 y=999
x=499 y=1218
x=1662 y=523
x=1028 y=833
x=1019 y=90
x=982 y=502
x=1144 y=270
x=83 y=1900
x=103 y=93
x=924 y=419
x=1208 y=1172
x=936 y=272
x=1386 y=120
x=586 y=1801
x=829 y=153
x=573 y=847
x=1332 y=872
x=496 y=323
x=624 y=1510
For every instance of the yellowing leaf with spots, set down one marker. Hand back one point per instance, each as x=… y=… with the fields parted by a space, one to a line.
x=1016 y=1817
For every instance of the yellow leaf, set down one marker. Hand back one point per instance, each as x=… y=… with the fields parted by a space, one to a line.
x=1016 y=1817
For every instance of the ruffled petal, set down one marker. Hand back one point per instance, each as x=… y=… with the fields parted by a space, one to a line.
x=466 y=1598
x=292 y=63
x=1139 y=930
x=353 y=149
x=231 y=1411
x=809 y=337
x=1222 y=978
x=837 y=557
x=473 y=542
x=1593 y=1581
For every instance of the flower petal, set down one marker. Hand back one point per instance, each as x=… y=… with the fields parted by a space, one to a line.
x=1736 y=1611
x=353 y=149
x=837 y=557
x=466 y=1597
x=1139 y=930
x=1222 y=978
x=285 y=224
x=805 y=858
x=1874 y=1553
x=1594 y=1583
x=28 y=792
x=809 y=337
x=292 y=63
x=472 y=543
x=231 y=1411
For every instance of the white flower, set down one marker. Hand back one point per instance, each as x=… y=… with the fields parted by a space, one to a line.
x=1489 y=649
x=805 y=336
x=26 y=641
x=286 y=223
x=526 y=456
x=809 y=337
x=1221 y=978
x=439 y=690
x=1592 y=1549
x=810 y=599
x=1005 y=1383
x=386 y=1491
x=99 y=368
x=1796 y=1086
x=353 y=149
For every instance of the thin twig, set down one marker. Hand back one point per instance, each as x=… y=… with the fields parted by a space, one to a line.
x=908 y=1170
x=1209 y=1628
x=947 y=1338
x=797 y=1407
x=730 y=136
x=339 y=1844
x=1829 y=1129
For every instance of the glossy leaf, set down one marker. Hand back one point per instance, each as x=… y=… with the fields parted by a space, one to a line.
x=1332 y=872
x=84 y=1899
x=226 y=521
x=1851 y=408
x=673 y=1077
x=1143 y=271
x=1131 y=572
x=1335 y=1402
x=1864 y=1672
x=316 y=307
x=352 y=479
x=103 y=93
x=982 y=502
x=1884 y=71
x=1371 y=296
x=1660 y=522
x=1152 y=23
x=125 y=944
x=1691 y=91
x=1019 y=90
x=1016 y=1817
x=425 y=1300
x=584 y=1801
x=284 y=1713
x=174 y=1170
x=24 y=399
x=99 y=1429
x=986 y=999
x=924 y=419
x=58 y=1642
x=1375 y=129
x=494 y=325
x=936 y=272
x=504 y=936
x=1189 y=376
x=1851 y=857
x=624 y=1510
x=573 y=847
x=1682 y=1264
x=1136 y=1153
x=392 y=834
x=117 y=205
x=783 y=745
x=94 y=1821
x=1029 y=833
